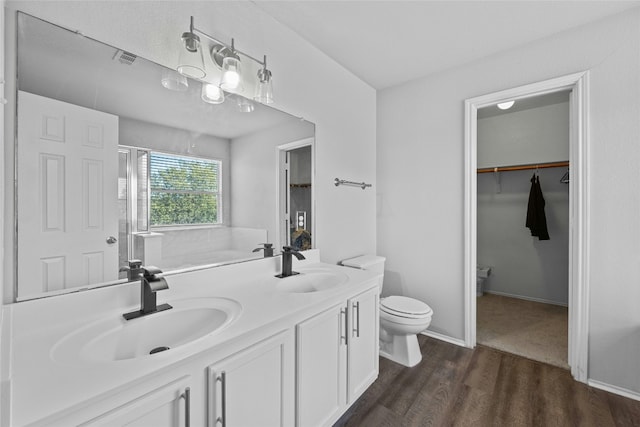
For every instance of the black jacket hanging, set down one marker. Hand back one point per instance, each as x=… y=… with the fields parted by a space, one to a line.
x=536 y=219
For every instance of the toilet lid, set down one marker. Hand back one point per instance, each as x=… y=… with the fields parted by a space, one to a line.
x=405 y=306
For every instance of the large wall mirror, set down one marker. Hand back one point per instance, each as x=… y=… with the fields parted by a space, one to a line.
x=119 y=158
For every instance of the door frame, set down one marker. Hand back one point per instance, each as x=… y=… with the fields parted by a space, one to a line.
x=578 y=83
x=281 y=151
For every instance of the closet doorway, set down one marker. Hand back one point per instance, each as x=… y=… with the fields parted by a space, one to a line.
x=523 y=227
x=575 y=283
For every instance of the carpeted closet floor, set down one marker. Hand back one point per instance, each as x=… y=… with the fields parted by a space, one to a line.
x=530 y=329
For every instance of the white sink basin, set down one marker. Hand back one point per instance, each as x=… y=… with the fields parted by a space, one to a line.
x=114 y=338
x=312 y=280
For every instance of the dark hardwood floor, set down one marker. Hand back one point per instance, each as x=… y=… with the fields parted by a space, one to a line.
x=455 y=386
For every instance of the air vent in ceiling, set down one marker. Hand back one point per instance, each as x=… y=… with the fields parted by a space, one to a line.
x=125 y=58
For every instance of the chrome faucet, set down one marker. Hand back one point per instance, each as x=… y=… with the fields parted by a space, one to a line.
x=287 y=260
x=150 y=283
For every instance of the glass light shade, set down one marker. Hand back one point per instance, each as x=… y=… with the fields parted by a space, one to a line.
x=173 y=80
x=245 y=106
x=264 y=89
x=212 y=94
x=231 y=71
x=191 y=61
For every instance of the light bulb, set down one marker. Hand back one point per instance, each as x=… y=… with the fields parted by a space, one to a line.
x=506 y=105
x=212 y=94
x=231 y=74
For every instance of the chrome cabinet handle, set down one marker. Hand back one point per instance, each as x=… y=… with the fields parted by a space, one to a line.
x=111 y=240
x=222 y=419
x=343 y=325
x=187 y=406
x=356 y=318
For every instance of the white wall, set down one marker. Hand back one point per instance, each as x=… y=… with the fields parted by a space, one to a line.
x=5 y=365
x=254 y=173
x=306 y=83
x=522 y=265
x=534 y=135
x=421 y=193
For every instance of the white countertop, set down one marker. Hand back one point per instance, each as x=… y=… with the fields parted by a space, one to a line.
x=42 y=386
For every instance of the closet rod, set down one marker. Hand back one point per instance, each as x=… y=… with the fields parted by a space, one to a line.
x=525 y=167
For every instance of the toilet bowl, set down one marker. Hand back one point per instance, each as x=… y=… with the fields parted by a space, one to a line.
x=401 y=318
x=482 y=273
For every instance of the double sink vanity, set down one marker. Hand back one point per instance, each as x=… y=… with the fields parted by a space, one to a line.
x=239 y=347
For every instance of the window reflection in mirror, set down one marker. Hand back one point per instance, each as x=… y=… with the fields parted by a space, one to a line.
x=119 y=158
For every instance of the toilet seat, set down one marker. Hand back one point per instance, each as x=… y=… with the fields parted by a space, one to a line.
x=409 y=308
x=387 y=319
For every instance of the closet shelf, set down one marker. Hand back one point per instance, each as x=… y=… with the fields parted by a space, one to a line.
x=525 y=167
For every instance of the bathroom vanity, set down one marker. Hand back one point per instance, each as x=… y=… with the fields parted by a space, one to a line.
x=238 y=346
x=245 y=348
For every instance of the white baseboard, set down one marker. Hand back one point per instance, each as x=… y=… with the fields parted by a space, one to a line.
x=614 y=389
x=444 y=338
x=542 y=300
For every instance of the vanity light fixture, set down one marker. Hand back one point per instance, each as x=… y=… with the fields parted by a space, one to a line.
x=173 y=80
x=264 y=90
x=245 y=106
x=212 y=94
x=231 y=71
x=191 y=61
x=506 y=105
x=227 y=58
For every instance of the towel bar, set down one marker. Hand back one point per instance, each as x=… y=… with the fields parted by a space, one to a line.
x=339 y=181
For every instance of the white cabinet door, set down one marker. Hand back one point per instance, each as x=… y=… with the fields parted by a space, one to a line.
x=321 y=368
x=167 y=406
x=337 y=361
x=254 y=387
x=67 y=197
x=362 y=363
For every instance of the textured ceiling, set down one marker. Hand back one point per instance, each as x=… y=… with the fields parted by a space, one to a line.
x=386 y=43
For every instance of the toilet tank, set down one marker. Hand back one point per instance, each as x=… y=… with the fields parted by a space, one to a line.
x=372 y=263
x=366 y=262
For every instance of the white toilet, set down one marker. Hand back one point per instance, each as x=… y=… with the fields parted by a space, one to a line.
x=482 y=273
x=401 y=318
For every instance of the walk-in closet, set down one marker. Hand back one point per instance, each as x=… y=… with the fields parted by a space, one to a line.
x=523 y=227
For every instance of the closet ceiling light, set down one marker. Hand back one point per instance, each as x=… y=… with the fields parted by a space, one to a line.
x=506 y=105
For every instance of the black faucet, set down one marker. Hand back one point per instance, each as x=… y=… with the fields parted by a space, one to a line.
x=150 y=283
x=287 y=261
x=133 y=269
x=267 y=248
